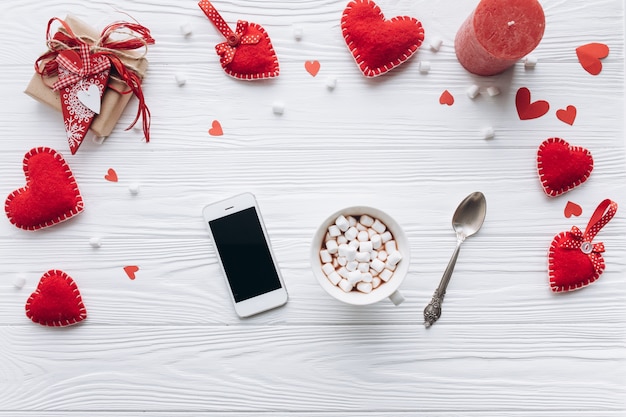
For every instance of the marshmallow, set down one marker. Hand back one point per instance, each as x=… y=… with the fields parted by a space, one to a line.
x=365 y=246
x=376 y=281
x=488 y=133
x=361 y=228
x=332 y=247
x=351 y=233
x=341 y=239
x=331 y=83
x=345 y=285
x=333 y=230
x=334 y=277
x=278 y=107
x=19 y=282
x=377 y=265
x=362 y=257
x=379 y=226
x=386 y=237
x=390 y=266
x=382 y=255
x=366 y=277
x=352 y=220
x=365 y=287
x=363 y=236
x=133 y=188
x=366 y=220
x=351 y=253
x=186 y=29
x=352 y=266
x=390 y=246
x=181 y=79
x=297 y=33
x=354 y=243
x=354 y=277
x=473 y=91
x=394 y=258
x=373 y=255
x=341 y=260
x=385 y=275
x=377 y=241
x=342 y=223
x=424 y=67
x=325 y=256
x=328 y=268
x=363 y=267
x=95 y=242
x=342 y=250
x=530 y=61
x=435 y=44
x=493 y=91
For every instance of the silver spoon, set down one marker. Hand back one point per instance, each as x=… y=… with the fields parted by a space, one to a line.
x=466 y=221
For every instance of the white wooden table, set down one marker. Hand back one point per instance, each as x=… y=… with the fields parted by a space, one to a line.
x=169 y=343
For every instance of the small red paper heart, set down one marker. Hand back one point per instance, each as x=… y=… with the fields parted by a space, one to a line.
x=50 y=196
x=312 y=67
x=56 y=302
x=379 y=45
x=446 y=98
x=527 y=110
x=562 y=167
x=571 y=269
x=589 y=56
x=216 y=129
x=131 y=270
x=572 y=209
x=567 y=115
x=111 y=175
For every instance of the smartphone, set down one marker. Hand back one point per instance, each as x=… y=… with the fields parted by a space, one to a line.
x=245 y=254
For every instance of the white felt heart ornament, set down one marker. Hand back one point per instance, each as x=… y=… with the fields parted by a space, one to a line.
x=90 y=98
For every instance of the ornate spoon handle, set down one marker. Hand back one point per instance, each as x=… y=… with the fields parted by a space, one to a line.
x=432 y=312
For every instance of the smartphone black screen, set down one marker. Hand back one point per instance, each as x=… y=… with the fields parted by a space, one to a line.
x=245 y=255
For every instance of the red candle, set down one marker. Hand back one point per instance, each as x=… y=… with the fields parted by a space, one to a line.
x=498 y=33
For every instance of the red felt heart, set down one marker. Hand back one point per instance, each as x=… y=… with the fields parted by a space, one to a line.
x=56 y=301
x=590 y=55
x=529 y=110
x=567 y=115
x=379 y=45
x=562 y=167
x=248 y=53
x=574 y=260
x=50 y=196
x=572 y=209
x=446 y=98
x=312 y=67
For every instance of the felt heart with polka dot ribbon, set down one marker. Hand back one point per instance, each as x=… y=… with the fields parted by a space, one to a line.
x=248 y=53
x=379 y=45
x=50 y=196
x=562 y=167
x=575 y=261
x=56 y=302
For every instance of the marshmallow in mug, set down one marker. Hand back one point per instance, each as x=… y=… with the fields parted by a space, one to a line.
x=359 y=253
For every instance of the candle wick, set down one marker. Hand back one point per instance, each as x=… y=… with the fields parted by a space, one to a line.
x=511 y=23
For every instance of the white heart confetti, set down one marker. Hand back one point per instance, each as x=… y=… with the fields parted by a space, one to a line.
x=90 y=98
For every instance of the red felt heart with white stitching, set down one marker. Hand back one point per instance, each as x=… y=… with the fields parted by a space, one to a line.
x=574 y=260
x=50 y=196
x=562 y=167
x=248 y=53
x=56 y=302
x=377 y=44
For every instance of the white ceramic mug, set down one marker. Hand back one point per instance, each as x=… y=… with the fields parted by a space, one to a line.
x=386 y=289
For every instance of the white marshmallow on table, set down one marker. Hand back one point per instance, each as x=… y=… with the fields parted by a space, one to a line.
x=297 y=32
x=377 y=265
x=133 y=188
x=351 y=233
x=333 y=230
x=366 y=220
x=19 y=281
x=424 y=67
x=325 y=257
x=334 y=278
x=365 y=246
x=278 y=107
x=332 y=247
x=493 y=91
x=394 y=258
x=328 y=268
x=186 y=29
x=530 y=61
x=363 y=235
x=386 y=237
x=95 y=242
x=390 y=246
x=365 y=287
x=331 y=83
x=488 y=132
x=473 y=91
x=377 y=241
x=435 y=44
x=342 y=223
x=385 y=275
x=379 y=227
x=181 y=79
x=345 y=285
x=354 y=277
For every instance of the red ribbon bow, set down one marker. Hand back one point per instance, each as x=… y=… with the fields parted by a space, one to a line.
x=48 y=63
x=78 y=66
x=227 y=49
x=584 y=241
